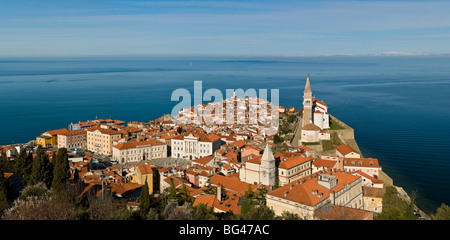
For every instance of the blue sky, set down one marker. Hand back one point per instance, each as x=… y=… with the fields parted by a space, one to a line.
x=276 y=27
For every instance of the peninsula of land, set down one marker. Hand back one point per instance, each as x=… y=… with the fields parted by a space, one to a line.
x=308 y=167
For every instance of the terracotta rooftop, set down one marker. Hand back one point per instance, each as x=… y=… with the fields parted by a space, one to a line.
x=256 y=160
x=102 y=130
x=361 y=162
x=130 y=145
x=58 y=131
x=144 y=168
x=204 y=160
x=293 y=162
x=311 y=127
x=345 y=149
x=324 y=163
x=307 y=191
x=74 y=132
x=315 y=100
x=232 y=183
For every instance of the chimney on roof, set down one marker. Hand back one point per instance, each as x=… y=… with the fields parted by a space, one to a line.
x=219 y=192
x=332 y=197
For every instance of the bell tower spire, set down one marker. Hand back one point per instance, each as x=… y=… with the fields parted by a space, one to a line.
x=307 y=86
x=307 y=103
x=267 y=171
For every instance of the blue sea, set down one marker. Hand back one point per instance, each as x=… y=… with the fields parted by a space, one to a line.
x=398 y=105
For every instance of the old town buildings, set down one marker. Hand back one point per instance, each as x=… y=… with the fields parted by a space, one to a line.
x=100 y=140
x=219 y=163
x=139 y=151
x=195 y=145
x=309 y=194
x=73 y=139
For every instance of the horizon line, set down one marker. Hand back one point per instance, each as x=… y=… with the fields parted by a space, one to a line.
x=386 y=54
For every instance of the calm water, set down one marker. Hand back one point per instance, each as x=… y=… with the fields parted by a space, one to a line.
x=398 y=106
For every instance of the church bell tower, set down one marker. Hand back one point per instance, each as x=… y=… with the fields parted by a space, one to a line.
x=307 y=103
x=267 y=171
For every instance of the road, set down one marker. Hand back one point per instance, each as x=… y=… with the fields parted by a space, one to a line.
x=298 y=133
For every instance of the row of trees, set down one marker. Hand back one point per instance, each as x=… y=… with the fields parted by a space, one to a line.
x=35 y=170
x=4 y=187
x=39 y=169
x=49 y=195
x=395 y=208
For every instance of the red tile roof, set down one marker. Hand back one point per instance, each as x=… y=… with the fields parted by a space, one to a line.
x=103 y=130
x=307 y=191
x=324 y=163
x=58 y=131
x=293 y=162
x=239 y=144
x=74 y=132
x=144 y=168
x=256 y=160
x=311 y=127
x=130 y=145
x=232 y=183
x=361 y=162
x=204 y=160
x=344 y=149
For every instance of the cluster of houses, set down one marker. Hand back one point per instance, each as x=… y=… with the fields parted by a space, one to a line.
x=236 y=157
x=252 y=114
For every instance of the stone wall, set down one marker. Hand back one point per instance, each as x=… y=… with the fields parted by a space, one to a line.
x=346 y=135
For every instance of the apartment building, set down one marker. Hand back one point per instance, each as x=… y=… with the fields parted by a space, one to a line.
x=73 y=139
x=306 y=195
x=100 y=140
x=139 y=151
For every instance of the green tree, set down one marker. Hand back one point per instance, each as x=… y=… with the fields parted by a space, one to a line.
x=442 y=213
x=290 y=216
x=259 y=213
x=152 y=214
x=144 y=200
x=292 y=118
x=261 y=195
x=184 y=195
x=389 y=214
x=61 y=170
x=258 y=196
x=41 y=170
x=53 y=159
x=22 y=165
x=249 y=194
x=39 y=190
x=201 y=212
x=4 y=189
x=171 y=194
x=7 y=164
x=209 y=189
x=395 y=208
x=277 y=183
x=277 y=139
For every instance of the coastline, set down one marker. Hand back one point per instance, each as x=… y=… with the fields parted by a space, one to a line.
x=346 y=135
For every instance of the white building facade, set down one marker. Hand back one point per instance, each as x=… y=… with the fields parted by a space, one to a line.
x=194 y=146
x=139 y=151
